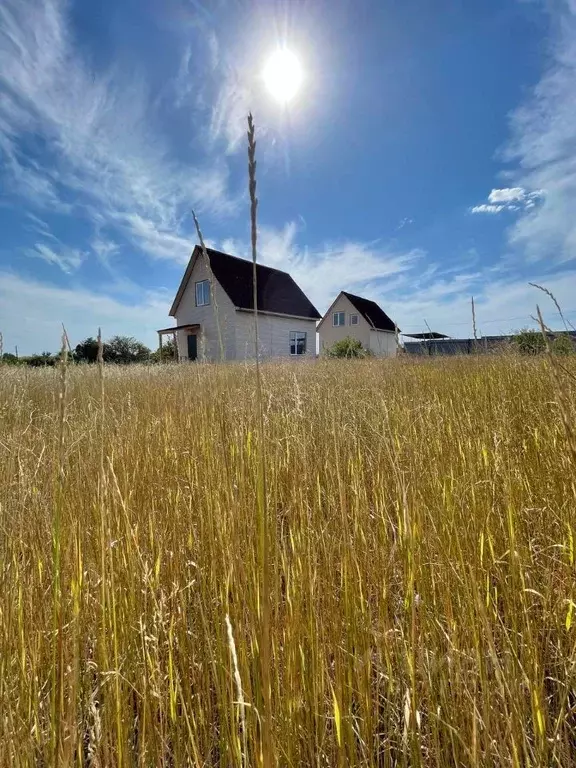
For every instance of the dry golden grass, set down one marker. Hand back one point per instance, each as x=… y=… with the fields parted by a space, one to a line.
x=420 y=519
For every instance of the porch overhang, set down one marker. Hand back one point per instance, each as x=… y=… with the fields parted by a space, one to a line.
x=185 y=327
x=172 y=332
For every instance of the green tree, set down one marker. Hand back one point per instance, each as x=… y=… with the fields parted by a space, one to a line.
x=126 y=349
x=348 y=347
x=86 y=351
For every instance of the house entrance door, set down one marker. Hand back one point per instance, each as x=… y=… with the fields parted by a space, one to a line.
x=192 y=346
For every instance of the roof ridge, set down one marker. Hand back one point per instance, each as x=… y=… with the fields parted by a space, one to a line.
x=249 y=261
x=362 y=298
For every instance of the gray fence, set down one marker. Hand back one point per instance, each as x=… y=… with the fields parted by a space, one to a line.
x=465 y=346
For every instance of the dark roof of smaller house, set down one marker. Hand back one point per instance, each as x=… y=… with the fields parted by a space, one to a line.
x=371 y=312
x=277 y=291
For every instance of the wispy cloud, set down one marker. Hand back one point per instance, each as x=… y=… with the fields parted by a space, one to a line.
x=39 y=226
x=503 y=305
x=31 y=314
x=233 y=102
x=100 y=146
x=323 y=271
x=67 y=259
x=105 y=249
x=411 y=287
x=543 y=145
x=160 y=244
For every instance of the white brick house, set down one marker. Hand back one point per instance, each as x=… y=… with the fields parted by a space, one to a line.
x=221 y=294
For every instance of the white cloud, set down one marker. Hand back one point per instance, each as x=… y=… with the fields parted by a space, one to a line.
x=508 y=195
x=32 y=313
x=484 y=208
x=68 y=259
x=509 y=199
x=100 y=147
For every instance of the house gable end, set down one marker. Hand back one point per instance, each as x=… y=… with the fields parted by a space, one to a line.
x=342 y=304
x=371 y=312
x=185 y=280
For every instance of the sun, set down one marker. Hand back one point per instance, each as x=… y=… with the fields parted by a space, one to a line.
x=283 y=75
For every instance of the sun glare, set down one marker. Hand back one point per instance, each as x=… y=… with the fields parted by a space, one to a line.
x=283 y=75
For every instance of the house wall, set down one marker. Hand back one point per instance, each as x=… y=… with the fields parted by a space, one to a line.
x=383 y=343
x=273 y=334
x=188 y=312
x=330 y=334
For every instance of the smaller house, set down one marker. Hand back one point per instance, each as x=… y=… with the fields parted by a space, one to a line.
x=214 y=311
x=358 y=318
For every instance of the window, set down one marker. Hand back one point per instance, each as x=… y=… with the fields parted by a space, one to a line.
x=203 y=293
x=297 y=343
x=353 y=319
x=339 y=318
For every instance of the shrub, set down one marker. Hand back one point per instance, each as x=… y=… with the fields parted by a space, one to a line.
x=43 y=360
x=348 y=347
x=9 y=359
x=563 y=345
x=532 y=342
x=529 y=341
x=168 y=353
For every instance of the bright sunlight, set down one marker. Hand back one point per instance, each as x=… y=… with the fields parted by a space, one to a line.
x=283 y=75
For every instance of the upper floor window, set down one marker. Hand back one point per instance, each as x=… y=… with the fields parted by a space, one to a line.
x=353 y=319
x=339 y=318
x=297 y=342
x=203 y=293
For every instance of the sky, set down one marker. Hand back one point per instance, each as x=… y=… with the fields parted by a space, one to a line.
x=429 y=156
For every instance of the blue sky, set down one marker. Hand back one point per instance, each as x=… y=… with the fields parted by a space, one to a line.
x=430 y=156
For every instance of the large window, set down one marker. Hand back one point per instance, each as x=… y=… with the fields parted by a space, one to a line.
x=297 y=343
x=339 y=318
x=203 y=293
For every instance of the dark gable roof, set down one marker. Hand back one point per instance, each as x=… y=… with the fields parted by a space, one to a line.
x=277 y=291
x=371 y=312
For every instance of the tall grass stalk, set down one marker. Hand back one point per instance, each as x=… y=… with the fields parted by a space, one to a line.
x=264 y=649
x=213 y=295
x=57 y=621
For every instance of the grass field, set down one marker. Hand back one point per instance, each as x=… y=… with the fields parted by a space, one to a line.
x=406 y=595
